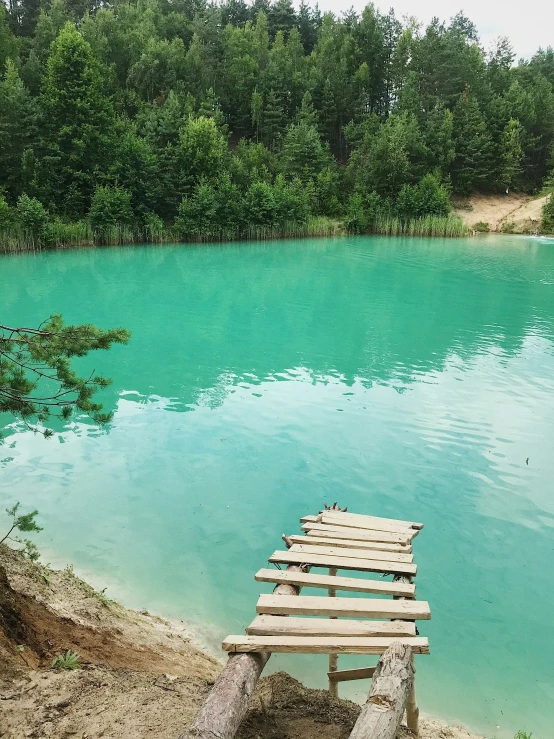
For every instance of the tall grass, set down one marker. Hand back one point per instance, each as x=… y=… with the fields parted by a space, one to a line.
x=60 y=234
x=434 y=226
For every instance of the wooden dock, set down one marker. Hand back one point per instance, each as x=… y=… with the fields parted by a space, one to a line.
x=379 y=620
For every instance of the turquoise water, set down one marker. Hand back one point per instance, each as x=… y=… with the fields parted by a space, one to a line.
x=406 y=378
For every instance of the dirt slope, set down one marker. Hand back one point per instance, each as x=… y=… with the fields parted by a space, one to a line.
x=523 y=211
x=141 y=677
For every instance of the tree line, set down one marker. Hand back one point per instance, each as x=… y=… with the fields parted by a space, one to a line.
x=121 y=120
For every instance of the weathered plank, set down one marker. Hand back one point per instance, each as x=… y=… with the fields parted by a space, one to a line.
x=305 y=546
x=327 y=538
x=317 y=605
x=322 y=644
x=345 y=532
x=360 y=673
x=368 y=526
x=367 y=522
x=344 y=563
x=309 y=519
x=285 y=626
x=381 y=716
x=349 y=584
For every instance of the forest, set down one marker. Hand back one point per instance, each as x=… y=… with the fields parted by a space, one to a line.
x=149 y=120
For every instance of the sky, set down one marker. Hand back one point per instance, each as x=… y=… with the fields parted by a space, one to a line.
x=528 y=25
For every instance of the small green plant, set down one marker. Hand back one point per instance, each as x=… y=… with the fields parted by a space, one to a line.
x=547 y=223
x=523 y=735
x=87 y=589
x=23 y=522
x=508 y=227
x=67 y=661
x=481 y=227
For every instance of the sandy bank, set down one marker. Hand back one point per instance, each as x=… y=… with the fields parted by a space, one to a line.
x=141 y=676
x=514 y=213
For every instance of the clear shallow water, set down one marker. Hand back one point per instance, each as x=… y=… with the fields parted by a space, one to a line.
x=408 y=378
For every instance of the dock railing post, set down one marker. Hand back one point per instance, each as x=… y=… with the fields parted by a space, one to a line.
x=333 y=658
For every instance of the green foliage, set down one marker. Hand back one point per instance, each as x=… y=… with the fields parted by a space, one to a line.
x=68 y=661
x=428 y=198
x=77 y=140
x=32 y=218
x=110 y=208
x=547 y=224
x=303 y=154
x=36 y=377
x=481 y=227
x=523 y=735
x=205 y=105
x=18 y=128
x=25 y=523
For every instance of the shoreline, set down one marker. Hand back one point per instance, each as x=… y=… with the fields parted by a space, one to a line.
x=141 y=673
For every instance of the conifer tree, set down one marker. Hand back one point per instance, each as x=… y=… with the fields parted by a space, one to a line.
x=18 y=129
x=472 y=164
x=78 y=130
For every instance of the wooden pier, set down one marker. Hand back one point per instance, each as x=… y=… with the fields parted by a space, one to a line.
x=334 y=624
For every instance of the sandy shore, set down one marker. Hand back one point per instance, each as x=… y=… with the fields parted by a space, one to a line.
x=141 y=675
x=514 y=212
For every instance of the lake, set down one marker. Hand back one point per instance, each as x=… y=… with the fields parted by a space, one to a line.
x=405 y=378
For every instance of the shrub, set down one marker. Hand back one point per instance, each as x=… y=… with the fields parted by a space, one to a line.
x=6 y=215
x=32 y=218
x=259 y=205
x=290 y=202
x=110 y=207
x=362 y=212
x=547 y=224
x=428 y=198
x=197 y=213
x=481 y=227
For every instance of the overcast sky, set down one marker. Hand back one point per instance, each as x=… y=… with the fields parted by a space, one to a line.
x=528 y=24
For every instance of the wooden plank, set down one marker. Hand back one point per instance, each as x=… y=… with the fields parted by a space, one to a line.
x=343 y=532
x=368 y=525
x=305 y=546
x=284 y=626
x=317 y=605
x=361 y=673
x=344 y=563
x=309 y=519
x=349 y=584
x=322 y=644
x=327 y=538
x=367 y=522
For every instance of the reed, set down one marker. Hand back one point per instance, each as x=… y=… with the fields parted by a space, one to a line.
x=433 y=226
x=62 y=235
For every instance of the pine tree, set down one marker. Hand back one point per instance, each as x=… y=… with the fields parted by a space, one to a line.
x=78 y=135
x=511 y=154
x=472 y=165
x=307 y=113
x=303 y=154
x=273 y=121
x=18 y=129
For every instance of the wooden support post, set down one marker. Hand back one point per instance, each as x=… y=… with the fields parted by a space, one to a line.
x=382 y=714
x=333 y=658
x=225 y=707
x=412 y=711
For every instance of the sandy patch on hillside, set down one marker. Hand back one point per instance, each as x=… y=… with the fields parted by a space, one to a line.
x=141 y=676
x=523 y=211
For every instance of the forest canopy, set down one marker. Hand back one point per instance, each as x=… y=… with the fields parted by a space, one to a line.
x=219 y=119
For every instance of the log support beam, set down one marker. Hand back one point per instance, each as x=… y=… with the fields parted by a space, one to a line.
x=393 y=679
x=412 y=710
